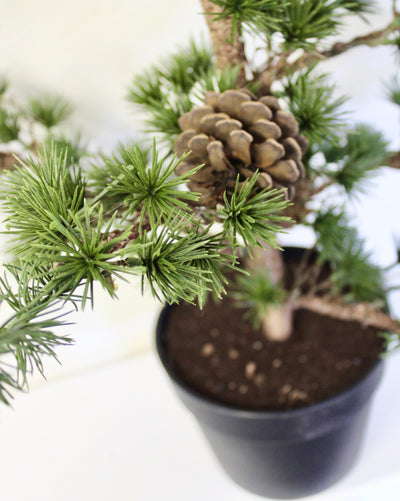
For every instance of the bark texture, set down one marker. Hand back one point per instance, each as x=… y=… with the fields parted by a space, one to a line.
x=228 y=50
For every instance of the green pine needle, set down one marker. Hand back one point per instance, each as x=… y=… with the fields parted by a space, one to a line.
x=183 y=69
x=49 y=110
x=180 y=266
x=255 y=217
x=362 y=153
x=9 y=126
x=153 y=189
x=218 y=81
x=74 y=149
x=27 y=336
x=4 y=84
x=353 y=275
x=256 y=292
x=393 y=90
x=81 y=253
x=305 y=22
x=170 y=89
x=164 y=118
x=392 y=340
x=34 y=193
x=254 y=15
x=107 y=167
x=314 y=104
x=359 y=7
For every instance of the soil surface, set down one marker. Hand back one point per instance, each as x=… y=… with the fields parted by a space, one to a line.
x=217 y=352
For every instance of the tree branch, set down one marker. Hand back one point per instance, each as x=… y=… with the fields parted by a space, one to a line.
x=228 y=48
x=375 y=38
x=394 y=160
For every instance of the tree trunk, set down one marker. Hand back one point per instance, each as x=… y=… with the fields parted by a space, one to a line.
x=228 y=47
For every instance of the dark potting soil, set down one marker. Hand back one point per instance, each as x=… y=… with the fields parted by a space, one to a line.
x=217 y=352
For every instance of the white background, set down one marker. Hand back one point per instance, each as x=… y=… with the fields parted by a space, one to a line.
x=87 y=433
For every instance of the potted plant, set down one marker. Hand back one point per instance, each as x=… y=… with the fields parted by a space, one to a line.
x=243 y=152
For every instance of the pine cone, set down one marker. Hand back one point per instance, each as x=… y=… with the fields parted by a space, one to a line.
x=236 y=133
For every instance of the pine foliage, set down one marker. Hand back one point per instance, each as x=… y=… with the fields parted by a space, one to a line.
x=255 y=218
x=352 y=273
x=49 y=110
x=357 y=157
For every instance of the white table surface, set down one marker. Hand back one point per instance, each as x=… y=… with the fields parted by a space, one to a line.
x=118 y=432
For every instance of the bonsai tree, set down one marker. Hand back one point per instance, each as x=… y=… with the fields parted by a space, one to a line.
x=233 y=154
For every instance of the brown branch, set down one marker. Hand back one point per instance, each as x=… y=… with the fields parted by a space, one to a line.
x=365 y=313
x=372 y=39
x=394 y=160
x=228 y=47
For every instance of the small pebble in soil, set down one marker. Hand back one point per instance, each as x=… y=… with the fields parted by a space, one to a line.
x=286 y=388
x=250 y=370
x=233 y=354
x=260 y=379
x=298 y=395
x=243 y=389
x=276 y=363
x=214 y=332
x=207 y=349
x=257 y=345
x=232 y=386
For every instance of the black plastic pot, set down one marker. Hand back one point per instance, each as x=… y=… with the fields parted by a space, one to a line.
x=287 y=454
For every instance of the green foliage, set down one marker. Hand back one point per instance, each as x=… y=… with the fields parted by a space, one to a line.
x=255 y=15
x=253 y=217
x=256 y=292
x=219 y=82
x=393 y=90
x=357 y=157
x=3 y=86
x=302 y=23
x=359 y=7
x=392 y=341
x=183 y=69
x=306 y=22
x=170 y=89
x=352 y=273
x=164 y=118
x=176 y=74
x=162 y=101
x=153 y=189
x=108 y=167
x=314 y=104
x=9 y=126
x=80 y=252
x=183 y=266
x=27 y=336
x=49 y=110
x=74 y=149
x=35 y=193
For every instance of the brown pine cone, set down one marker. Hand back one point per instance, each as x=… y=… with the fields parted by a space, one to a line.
x=237 y=133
